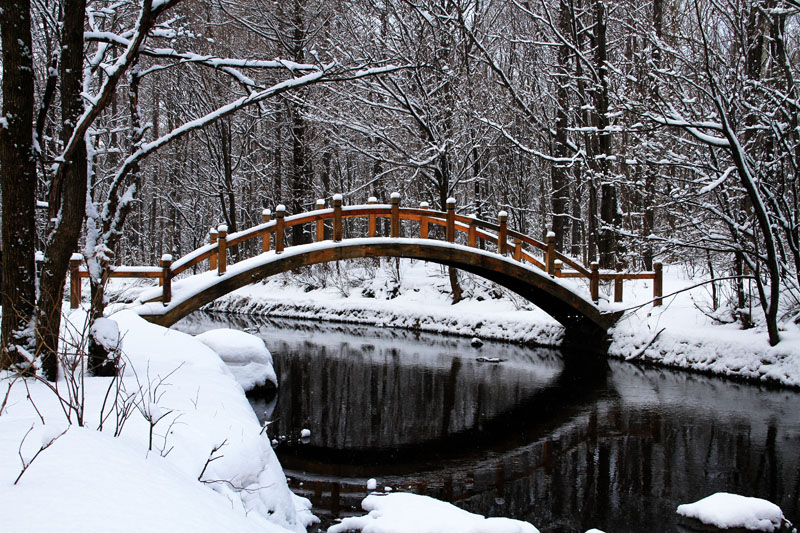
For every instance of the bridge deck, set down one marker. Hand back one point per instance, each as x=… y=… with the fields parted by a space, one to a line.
x=565 y=299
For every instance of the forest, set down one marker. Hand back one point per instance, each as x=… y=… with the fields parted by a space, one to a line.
x=663 y=130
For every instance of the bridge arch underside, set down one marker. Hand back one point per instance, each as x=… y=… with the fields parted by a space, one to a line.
x=585 y=324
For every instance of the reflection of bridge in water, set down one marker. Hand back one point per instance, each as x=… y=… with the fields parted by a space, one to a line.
x=565 y=447
x=607 y=465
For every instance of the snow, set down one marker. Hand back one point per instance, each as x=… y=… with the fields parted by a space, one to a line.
x=728 y=511
x=106 y=333
x=207 y=466
x=305 y=433
x=246 y=356
x=372 y=484
x=413 y=513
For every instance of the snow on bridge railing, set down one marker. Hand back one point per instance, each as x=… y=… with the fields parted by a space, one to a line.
x=478 y=232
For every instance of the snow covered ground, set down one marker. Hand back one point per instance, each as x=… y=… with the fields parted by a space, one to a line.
x=683 y=333
x=180 y=448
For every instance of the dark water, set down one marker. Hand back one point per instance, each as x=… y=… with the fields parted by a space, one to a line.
x=566 y=446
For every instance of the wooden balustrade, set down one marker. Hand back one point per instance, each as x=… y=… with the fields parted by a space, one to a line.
x=273 y=230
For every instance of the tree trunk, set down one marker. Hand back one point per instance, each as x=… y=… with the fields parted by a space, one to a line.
x=18 y=184
x=68 y=205
x=559 y=192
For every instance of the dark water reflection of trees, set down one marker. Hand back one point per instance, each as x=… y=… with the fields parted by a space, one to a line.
x=567 y=446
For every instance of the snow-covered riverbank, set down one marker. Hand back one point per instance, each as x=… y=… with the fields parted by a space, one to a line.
x=180 y=448
x=681 y=333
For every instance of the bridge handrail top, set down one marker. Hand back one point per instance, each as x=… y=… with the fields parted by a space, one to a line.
x=186 y=261
x=125 y=268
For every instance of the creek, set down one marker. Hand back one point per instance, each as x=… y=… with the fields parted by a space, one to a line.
x=566 y=441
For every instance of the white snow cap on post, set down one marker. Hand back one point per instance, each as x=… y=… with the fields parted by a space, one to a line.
x=424 y=205
x=502 y=214
x=280 y=208
x=166 y=257
x=395 y=195
x=551 y=234
x=372 y=200
x=213 y=230
x=451 y=201
x=266 y=212
x=337 y=197
x=76 y=257
x=222 y=227
x=320 y=203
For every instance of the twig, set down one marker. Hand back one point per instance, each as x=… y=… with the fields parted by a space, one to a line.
x=211 y=459
x=41 y=449
x=646 y=346
x=684 y=290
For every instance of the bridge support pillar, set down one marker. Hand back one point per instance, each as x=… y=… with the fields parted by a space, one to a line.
x=658 y=284
x=502 y=235
x=472 y=235
x=423 y=221
x=337 y=217
x=166 y=278
x=222 y=249
x=618 y=287
x=594 y=281
x=395 y=218
x=372 y=219
x=550 y=254
x=320 y=222
x=75 y=280
x=450 y=221
x=280 y=212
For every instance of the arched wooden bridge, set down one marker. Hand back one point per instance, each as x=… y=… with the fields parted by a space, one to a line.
x=531 y=268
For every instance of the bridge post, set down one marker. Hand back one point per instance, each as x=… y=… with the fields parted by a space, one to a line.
x=337 y=217
x=395 y=221
x=222 y=249
x=658 y=284
x=594 y=281
x=423 y=221
x=502 y=235
x=557 y=266
x=212 y=260
x=550 y=254
x=472 y=235
x=451 y=220
x=75 y=280
x=280 y=212
x=372 y=224
x=320 y=222
x=517 y=249
x=618 y=286
x=166 y=278
x=266 y=236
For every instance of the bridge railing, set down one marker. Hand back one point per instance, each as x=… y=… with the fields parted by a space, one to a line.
x=329 y=224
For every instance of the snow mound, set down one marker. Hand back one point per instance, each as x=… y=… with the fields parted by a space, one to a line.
x=173 y=445
x=115 y=488
x=727 y=511
x=246 y=356
x=412 y=513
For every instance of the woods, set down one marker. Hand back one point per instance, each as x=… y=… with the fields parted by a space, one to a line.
x=664 y=130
